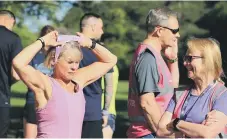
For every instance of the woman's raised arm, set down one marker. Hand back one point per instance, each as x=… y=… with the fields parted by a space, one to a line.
x=34 y=79
x=96 y=70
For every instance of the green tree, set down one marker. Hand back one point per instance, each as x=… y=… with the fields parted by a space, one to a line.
x=29 y=9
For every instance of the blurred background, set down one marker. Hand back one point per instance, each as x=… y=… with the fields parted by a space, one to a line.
x=124 y=27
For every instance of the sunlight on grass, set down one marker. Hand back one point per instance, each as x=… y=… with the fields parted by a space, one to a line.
x=19 y=102
x=122 y=90
x=19 y=87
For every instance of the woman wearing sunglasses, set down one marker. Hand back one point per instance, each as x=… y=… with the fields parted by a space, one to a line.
x=199 y=111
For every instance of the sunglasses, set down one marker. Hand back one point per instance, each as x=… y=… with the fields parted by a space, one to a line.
x=174 y=31
x=188 y=58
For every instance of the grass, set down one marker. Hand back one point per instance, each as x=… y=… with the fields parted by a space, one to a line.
x=122 y=90
x=18 y=89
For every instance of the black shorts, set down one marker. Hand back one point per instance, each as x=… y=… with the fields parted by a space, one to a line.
x=29 y=113
x=4 y=121
x=92 y=129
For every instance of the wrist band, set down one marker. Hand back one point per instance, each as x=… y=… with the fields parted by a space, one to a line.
x=93 y=45
x=172 y=60
x=175 y=122
x=42 y=41
x=105 y=112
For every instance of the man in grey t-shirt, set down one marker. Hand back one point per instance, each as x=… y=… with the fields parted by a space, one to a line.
x=151 y=79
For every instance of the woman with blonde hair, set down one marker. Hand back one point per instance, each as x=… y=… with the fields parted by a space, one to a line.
x=199 y=111
x=60 y=102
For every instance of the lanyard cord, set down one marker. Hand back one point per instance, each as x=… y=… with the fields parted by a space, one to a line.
x=184 y=114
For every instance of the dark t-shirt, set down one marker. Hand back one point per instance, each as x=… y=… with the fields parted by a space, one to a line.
x=146 y=72
x=92 y=92
x=10 y=46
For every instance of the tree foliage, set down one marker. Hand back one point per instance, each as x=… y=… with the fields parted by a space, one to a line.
x=124 y=22
x=23 y=10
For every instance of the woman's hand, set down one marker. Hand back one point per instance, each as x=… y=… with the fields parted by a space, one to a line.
x=50 y=40
x=84 y=41
x=211 y=118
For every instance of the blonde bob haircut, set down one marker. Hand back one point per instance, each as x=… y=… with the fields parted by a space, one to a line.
x=210 y=51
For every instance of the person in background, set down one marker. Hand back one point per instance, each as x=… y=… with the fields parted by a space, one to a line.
x=91 y=26
x=110 y=83
x=152 y=80
x=10 y=46
x=42 y=62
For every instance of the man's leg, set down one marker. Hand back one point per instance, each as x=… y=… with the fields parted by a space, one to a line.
x=92 y=129
x=4 y=121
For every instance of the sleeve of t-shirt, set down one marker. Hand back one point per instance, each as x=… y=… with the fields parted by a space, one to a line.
x=147 y=74
x=16 y=47
x=171 y=106
x=221 y=103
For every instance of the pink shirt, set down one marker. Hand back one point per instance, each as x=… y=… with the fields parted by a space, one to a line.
x=62 y=117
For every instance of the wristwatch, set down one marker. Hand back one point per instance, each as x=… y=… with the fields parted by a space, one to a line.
x=92 y=45
x=42 y=41
x=172 y=60
x=175 y=122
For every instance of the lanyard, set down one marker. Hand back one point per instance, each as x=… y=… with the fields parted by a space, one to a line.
x=183 y=113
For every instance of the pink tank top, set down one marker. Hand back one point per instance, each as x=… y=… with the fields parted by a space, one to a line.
x=63 y=115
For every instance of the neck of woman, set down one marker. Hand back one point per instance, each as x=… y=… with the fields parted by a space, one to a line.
x=202 y=84
x=62 y=81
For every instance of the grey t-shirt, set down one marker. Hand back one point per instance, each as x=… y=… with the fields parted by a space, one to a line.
x=146 y=73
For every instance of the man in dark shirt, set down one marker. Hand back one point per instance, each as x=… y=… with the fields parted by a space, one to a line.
x=10 y=46
x=91 y=25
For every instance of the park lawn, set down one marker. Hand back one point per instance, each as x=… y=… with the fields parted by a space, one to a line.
x=18 y=88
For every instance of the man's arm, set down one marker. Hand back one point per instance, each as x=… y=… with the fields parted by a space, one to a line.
x=147 y=77
x=171 y=54
x=16 y=48
x=108 y=93
x=164 y=130
x=151 y=110
x=108 y=90
x=174 y=70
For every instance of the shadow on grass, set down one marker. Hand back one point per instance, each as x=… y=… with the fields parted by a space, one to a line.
x=122 y=121
x=16 y=123
x=18 y=95
x=16 y=117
